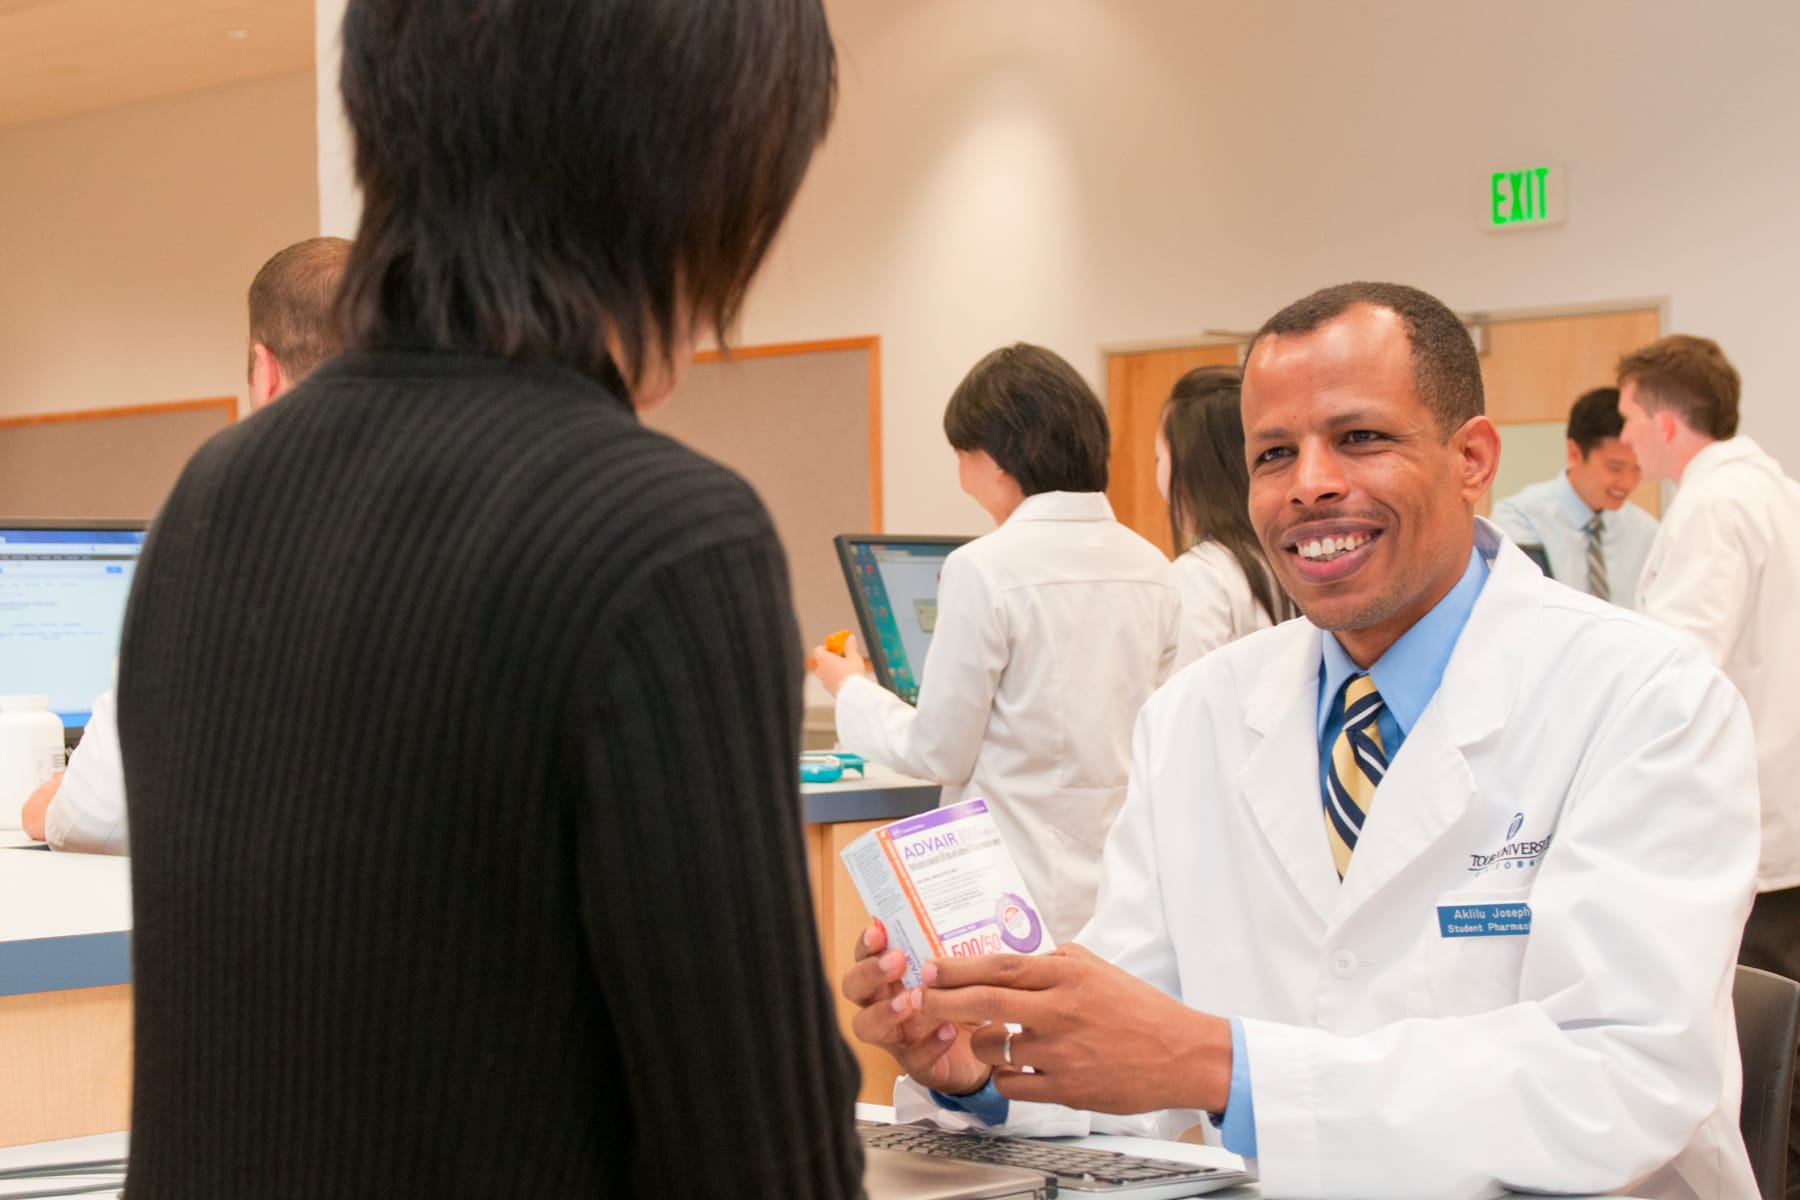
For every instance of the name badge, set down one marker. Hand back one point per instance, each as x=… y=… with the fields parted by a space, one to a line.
x=1484 y=920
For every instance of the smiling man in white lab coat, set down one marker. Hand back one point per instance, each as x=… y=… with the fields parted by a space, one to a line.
x=1726 y=569
x=1434 y=893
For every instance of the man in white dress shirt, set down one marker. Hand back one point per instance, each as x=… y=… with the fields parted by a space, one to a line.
x=291 y=332
x=1595 y=538
x=1726 y=569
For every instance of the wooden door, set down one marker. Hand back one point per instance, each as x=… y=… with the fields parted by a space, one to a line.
x=1534 y=368
x=1137 y=383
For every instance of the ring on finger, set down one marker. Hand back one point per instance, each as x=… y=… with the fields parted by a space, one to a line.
x=1006 y=1047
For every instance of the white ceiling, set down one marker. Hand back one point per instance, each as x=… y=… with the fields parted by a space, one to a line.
x=59 y=57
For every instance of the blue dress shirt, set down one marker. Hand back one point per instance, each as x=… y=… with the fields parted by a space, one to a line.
x=1552 y=515
x=1407 y=676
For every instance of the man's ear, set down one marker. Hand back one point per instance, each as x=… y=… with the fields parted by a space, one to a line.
x=267 y=379
x=1576 y=457
x=1478 y=448
x=1668 y=425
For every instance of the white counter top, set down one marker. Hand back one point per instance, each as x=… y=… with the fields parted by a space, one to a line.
x=65 y=919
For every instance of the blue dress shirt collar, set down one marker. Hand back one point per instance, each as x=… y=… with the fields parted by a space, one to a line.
x=1408 y=674
x=1573 y=508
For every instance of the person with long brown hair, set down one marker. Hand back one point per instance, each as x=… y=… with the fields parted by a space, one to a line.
x=1225 y=583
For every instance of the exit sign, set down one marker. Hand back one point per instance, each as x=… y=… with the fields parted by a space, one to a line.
x=1525 y=197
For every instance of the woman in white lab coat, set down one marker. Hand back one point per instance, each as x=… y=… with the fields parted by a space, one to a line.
x=1051 y=633
x=1226 y=588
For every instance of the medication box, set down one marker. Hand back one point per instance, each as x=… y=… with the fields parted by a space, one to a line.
x=945 y=887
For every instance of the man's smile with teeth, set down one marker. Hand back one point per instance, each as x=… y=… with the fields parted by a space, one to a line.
x=1328 y=548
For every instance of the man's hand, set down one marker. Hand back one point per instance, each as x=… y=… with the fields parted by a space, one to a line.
x=31 y=817
x=833 y=669
x=935 y=1053
x=1094 y=1036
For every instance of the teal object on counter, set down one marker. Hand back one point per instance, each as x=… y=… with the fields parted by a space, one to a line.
x=829 y=768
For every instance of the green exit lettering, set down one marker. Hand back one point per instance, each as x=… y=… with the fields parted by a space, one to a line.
x=1519 y=197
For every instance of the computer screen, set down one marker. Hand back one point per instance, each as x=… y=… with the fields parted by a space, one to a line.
x=894 y=582
x=63 y=587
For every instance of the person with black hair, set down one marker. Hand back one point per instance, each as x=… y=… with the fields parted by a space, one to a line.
x=1052 y=631
x=1226 y=587
x=1595 y=538
x=460 y=711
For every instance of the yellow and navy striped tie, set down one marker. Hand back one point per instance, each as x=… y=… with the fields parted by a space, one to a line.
x=1357 y=764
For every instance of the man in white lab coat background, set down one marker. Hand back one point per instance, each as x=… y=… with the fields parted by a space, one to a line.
x=1725 y=567
x=292 y=331
x=1433 y=893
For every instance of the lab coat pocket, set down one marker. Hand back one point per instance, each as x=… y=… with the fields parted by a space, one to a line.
x=1477 y=947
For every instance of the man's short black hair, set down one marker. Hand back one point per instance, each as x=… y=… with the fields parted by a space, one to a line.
x=539 y=173
x=1446 y=371
x=1036 y=417
x=1594 y=418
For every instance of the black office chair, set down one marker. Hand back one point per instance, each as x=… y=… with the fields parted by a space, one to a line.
x=1768 y=1023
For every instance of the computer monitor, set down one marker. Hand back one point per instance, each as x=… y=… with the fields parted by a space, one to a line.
x=894 y=581
x=63 y=587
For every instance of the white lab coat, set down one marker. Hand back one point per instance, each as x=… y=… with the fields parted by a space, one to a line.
x=1052 y=631
x=87 y=814
x=1598 y=1053
x=1726 y=569
x=1217 y=605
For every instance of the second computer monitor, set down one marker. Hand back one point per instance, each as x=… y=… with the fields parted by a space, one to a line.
x=894 y=581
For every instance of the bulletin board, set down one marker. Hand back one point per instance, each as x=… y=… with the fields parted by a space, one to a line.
x=794 y=420
x=115 y=463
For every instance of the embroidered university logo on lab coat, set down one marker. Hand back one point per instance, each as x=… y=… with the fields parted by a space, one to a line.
x=1511 y=855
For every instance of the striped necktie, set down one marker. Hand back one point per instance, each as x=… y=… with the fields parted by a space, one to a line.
x=1597 y=585
x=1357 y=764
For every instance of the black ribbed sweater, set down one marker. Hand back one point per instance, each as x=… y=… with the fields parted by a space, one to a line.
x=460 y=716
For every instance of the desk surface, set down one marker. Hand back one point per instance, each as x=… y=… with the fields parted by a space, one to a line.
x=115 y=1145
x=65 y=919
x=881 y=795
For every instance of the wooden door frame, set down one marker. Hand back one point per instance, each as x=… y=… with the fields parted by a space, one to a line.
x=1476 y=317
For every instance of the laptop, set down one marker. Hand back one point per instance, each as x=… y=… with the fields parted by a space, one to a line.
x=893 y=581
x=965 y=1162
x=896 y=1175
x=63 y=588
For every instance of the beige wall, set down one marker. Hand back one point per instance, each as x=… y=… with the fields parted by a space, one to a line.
x=1089 y=172
x=128 y=238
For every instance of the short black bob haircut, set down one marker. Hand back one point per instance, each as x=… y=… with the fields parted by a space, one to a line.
x=1446 y=372
x=1036 y=417
x=536 y=173
x=1594 y=418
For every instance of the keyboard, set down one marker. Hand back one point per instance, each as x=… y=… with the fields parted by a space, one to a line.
x=1075 y=1168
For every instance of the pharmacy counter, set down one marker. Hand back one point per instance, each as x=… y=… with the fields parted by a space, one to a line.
x=836 y=815
x=60 y=1165
x=65 y=961
x=65 y=994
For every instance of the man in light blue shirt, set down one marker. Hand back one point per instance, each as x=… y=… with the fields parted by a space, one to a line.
x=1595 y=538
x=1503 y=963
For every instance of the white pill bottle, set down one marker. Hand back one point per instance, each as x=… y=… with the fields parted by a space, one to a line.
x=31 y=750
